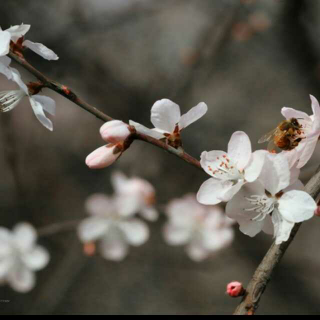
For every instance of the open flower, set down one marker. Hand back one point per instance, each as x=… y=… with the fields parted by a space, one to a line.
x=135 y=195
x=20 y=257
x=10 y=99
x=168 y=122
x=229 y=171
x=203 y=229
x=310 y=133
x=114 y=231
x=271 y=204
x=16 y=33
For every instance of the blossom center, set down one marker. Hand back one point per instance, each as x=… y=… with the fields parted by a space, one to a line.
x=226 y=170
x=10 y=99
x=262 y=205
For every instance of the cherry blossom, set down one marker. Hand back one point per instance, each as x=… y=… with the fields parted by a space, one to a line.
x=114 y=231
x=230 y=171
x=16 y=33
x=5 y=68
x=204 y=230
x=20 y=257
x=136 y=195
x=10 y=99
x=310 y=133
x=271 y=204
x=168 y=122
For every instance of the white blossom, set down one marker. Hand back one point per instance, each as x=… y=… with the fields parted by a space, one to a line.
x=310 y=133
x=114 y=231
x=14 y=34
x=135 y=195
x=204 y=230
x=20 y=257
x=167 y=120
x=10 y=99
x=271 y=204
x=229 y=171
x=103 y=157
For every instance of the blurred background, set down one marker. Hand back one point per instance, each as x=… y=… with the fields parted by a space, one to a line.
x=245 y=59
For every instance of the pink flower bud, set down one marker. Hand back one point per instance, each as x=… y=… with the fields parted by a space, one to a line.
x=115 y=131
x=235 y=289
x=317 y=211
x=104 y=156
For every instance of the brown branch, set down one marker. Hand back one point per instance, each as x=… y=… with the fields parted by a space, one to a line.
x=262 y=276
x=70 y=95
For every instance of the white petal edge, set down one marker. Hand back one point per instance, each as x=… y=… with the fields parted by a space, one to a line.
x=37 y=108
x=193 y=115
x=48 y=104
x=41 y=50
x=146 y=131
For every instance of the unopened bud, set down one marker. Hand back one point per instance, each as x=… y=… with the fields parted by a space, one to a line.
x=115 y=131
x=104 y=156
x=235 y=290
x=317 y=211
x=89 y=249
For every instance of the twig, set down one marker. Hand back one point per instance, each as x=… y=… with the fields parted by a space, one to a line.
x=57 y=228
x=70 y=95
x=262 y=276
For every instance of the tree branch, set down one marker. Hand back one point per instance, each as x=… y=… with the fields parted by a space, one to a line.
x=262 y=276
x=70 y=95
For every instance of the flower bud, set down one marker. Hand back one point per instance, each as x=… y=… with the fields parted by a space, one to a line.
x=115 y=131
x=235 y=289
x=317 y=211
x=104 y=156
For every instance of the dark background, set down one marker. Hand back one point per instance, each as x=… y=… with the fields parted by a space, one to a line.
x=245 y=59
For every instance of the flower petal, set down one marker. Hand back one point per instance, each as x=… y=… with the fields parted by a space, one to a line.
x=6 y=265
x=4 y=67
x=193 y=115
x=99 y=205
x=297 y=206
x=212 y=191
x=17 y=32
x=307 y=152
x=275 y=174
x=93 y=229
x=118 y=181
x=149 y=213
x=114 y=246
x=25 y=236
x=290 y=113
x=165 y=115
x=196 y=252
x=282 y=228
x=48 y=104
x=254 y=168
x=316 y=113
x=146 y=131
x=5 y=38
x=39 y=113
x=232 y=191
x=136 y=232
x=21 y=279
x=41 y=50
x=240 y=150
x=36 y=259
x=215 y=240
x=268 y=226
x=177 y=236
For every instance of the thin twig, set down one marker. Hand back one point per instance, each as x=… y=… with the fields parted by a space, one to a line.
x=262 y=276
x=58 y=228
x=70 y=95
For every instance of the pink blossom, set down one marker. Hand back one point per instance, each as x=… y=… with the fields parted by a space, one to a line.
x=115 y=131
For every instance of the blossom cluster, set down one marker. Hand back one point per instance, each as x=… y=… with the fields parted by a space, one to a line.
x=260 y=190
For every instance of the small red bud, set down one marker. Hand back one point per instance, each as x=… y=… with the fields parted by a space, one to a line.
x=317 y=211
x=235 y=289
